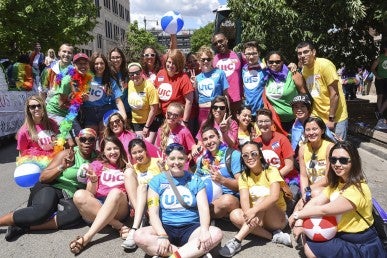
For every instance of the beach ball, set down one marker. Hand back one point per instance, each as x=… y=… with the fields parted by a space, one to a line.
x=27 y=174
x=320 y=229
x=213 y=189
x=172 y=22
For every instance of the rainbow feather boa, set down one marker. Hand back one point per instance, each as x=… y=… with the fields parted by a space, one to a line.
x=80 y=86
x=39 y=157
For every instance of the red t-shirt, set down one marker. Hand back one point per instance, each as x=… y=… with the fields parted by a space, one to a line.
x=276 y=151
x=172 y=89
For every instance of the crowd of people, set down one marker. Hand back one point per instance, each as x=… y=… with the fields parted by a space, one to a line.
x=150 y=140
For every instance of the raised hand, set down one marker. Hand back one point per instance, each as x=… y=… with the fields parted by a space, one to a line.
x=225 y=124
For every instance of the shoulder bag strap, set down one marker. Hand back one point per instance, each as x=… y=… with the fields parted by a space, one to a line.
x=363 y=218
x=174 y=188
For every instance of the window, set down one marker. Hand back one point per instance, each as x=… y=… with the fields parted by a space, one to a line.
x=106 y=3
x=98 y=7
x=116 y=32
x=121 y=9
x=127 y=15
x=108 y=29
x=99 y=41
x=115 y=6
x=123 y=35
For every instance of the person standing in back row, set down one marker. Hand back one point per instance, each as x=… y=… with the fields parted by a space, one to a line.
x=229 y=61
x=325 y=87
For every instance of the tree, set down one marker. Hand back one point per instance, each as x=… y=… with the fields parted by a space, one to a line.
x=23 y=22
x=339 y=29
x=137 y=39
x=202 y=36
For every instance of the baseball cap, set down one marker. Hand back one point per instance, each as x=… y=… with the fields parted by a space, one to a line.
x=79 y=56
x=303 y=98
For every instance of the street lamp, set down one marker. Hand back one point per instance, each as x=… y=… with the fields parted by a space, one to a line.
x=145 y=20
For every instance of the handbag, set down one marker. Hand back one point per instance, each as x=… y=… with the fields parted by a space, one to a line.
x=174 y=188
x=380 y=221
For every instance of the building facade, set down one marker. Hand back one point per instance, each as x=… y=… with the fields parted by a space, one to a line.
x=113 y=21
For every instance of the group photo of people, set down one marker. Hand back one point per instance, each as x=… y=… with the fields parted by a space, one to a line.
x=163 y=148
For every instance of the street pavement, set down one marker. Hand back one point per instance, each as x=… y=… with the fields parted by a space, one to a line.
x=107 y=243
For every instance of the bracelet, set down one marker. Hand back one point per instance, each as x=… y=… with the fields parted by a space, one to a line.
x=162 y=237
x=147 y=127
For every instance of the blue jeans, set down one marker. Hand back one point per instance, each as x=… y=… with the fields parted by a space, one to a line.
x=341 y=129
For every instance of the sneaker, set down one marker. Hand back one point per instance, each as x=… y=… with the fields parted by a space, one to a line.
x=207 y=255
x=231 y=248
x=14 y=232
x=129 y=242
x=381 y=125
x=280 y=237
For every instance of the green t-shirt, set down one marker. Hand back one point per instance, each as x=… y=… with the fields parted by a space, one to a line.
x=53 y=103
x=74 y=178
x=280 y=95
x=382 y=67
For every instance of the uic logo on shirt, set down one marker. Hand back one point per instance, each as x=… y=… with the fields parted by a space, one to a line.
x=170 y=201
x=165 y=91
x=227 y=65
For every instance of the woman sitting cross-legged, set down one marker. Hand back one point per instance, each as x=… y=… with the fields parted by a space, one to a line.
x=104 y=201
x=179 y=227
x=262 y=202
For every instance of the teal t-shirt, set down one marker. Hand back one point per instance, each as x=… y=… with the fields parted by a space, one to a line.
x=280 y=95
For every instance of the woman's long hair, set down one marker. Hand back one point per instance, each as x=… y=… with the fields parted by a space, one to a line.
x=122 y=160
x=29 y=121
x=320 y=124
x=262 y=160
x=108 y=132
x=157 y=66
x=165 y=129
x=106 y=73
x=209 y=122
x=123 y=69
x=355 y=176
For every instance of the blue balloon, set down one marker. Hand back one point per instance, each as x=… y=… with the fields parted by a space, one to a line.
x=172 y=22
x=27 y=174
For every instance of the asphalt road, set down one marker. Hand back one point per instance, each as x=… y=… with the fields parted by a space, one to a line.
x=107 y=243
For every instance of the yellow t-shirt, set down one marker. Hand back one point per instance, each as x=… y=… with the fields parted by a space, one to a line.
x=318 y=171
x=244 y=136
x=140 y=98
x=351 y=222
x=317 y=78
x=145 y=172
x=259 y=185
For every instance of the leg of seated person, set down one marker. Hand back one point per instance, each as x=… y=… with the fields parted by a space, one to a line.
x=87 y=204
x=131 y=184
x=236 y=217
x=222 y=206
x=146 y=239
x=190 y=249
x=274 y=218
x=142 y=190
x=114 y=208
x=308 y=252
x=7 y=220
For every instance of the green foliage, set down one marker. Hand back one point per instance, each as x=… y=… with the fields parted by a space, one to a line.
x=23 y=22
x=137 y=39
x=339 y=29
x=202 y=37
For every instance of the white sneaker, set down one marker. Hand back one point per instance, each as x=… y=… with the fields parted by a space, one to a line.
x=381 y=125
x=231 y=248
x=207 y=255
x=129 y=242
x=280 y=237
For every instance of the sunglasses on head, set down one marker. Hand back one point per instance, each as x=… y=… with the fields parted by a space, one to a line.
x=149 y=55
x=274 y=62
x=218 y=107
x=174 y=146
x=205 y=59
x=87 y=139
x=32 y=107
x=253 y=154
x=342 y=160
x=136 y=73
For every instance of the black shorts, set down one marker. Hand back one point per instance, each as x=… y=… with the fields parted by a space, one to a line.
x=381 y=86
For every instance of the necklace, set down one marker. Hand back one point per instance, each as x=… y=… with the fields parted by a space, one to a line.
x=80 y=85
x=209 y=160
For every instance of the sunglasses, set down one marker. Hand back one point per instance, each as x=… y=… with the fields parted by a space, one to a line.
x=117 y=121
x=219 y=107
x=253 y=154
x=136 y=73
x=149 y=55
x=172 y=115
x=32 y=107
x=205 y=59
x=342 y=160
x=86 y=139
x=174 y=146
x=270 y=62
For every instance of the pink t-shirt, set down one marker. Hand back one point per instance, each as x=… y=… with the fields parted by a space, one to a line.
x=232 y=133
x=126 y=136
x=109 y=177
x=180 y=134
x=232 y=66
x=276 y=151
x=43 y=146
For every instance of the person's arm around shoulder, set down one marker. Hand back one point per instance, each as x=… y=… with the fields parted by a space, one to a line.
x=61 y=161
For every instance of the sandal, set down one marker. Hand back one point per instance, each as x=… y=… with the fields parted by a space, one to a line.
x=77 y=247
x=124 y=231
